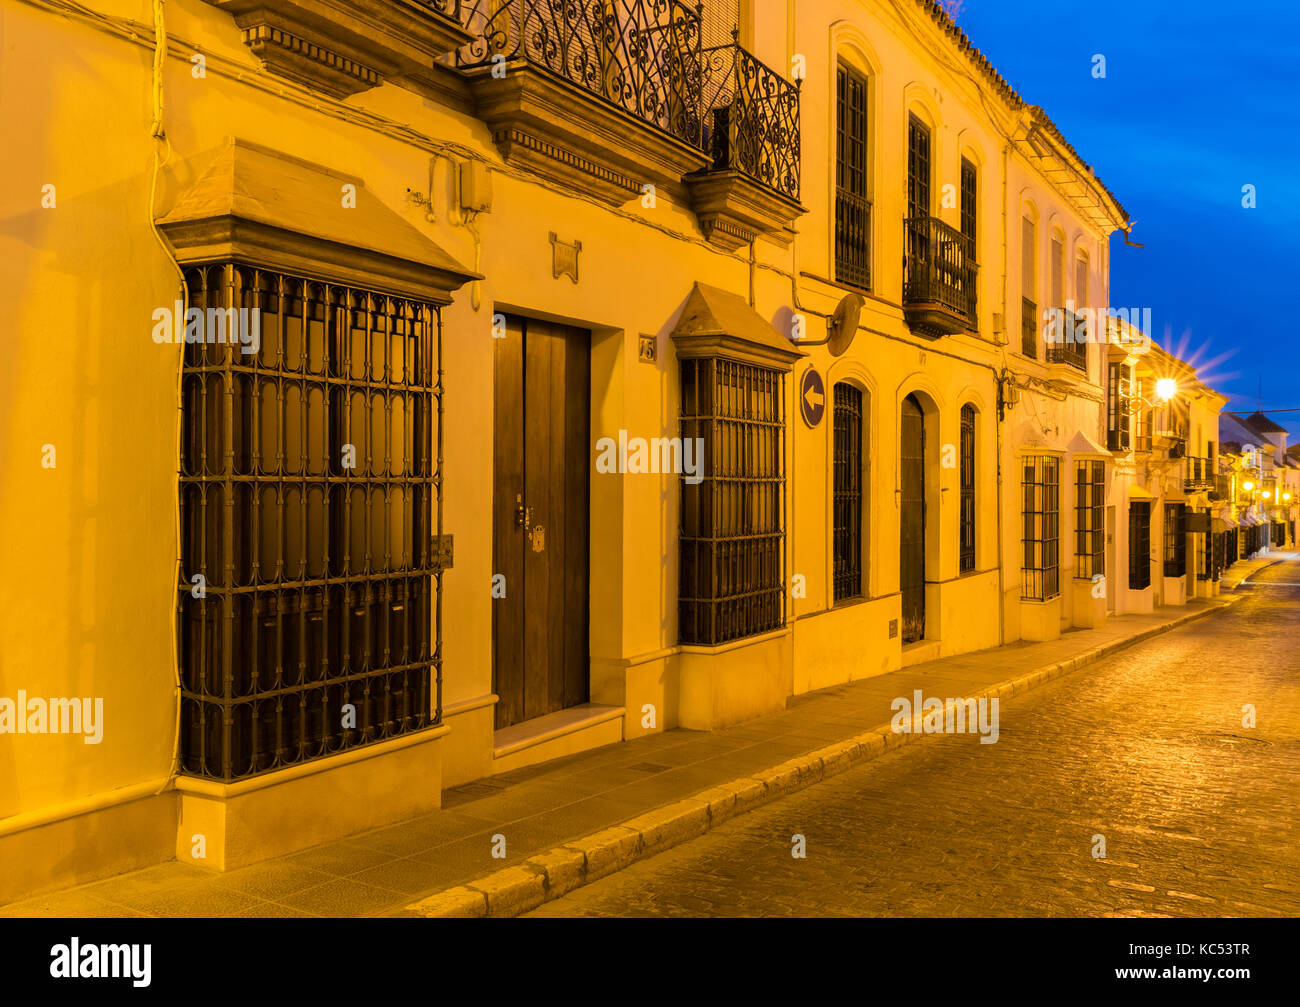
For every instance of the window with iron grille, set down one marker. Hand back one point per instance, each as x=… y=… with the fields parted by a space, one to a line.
x=966 y=551
x=1119 y=406
x=968 y=196
x=847 y=500
x=1143 y=415
x=852 y=208
x=1175 y=540
x=732 y=577
x=1139 y=544
x=918 y=168
x=309 y=500
x=1040 y=513
x=1089 y=511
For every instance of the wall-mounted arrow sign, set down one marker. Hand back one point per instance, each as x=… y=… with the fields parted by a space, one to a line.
x=812 y=397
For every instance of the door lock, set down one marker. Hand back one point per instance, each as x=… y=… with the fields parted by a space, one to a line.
x=523 y=515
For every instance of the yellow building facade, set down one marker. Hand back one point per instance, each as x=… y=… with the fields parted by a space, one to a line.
x=394 y=403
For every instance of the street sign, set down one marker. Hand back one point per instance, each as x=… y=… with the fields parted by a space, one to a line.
x=812 y=397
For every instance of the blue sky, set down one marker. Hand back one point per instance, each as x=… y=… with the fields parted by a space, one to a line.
x=1199 y=99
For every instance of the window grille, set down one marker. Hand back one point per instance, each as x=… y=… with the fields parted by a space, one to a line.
x=1089 y=518
x=918 y=169
x=848 y=492
x=852 y=208
x=1040 y=510
x=310 y=496
x=966 y=551
x=1119 y=406
x=1139 y=544
x=732 y=534
x=969 y=189
x=1175 y=540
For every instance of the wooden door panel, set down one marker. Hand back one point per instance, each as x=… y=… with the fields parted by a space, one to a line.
x=577 y=494
x=507 y=539
x=541 y=638
x=538 y=477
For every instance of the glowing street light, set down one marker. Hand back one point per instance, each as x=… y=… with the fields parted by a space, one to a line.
x=1286 y=496
x=1268 y=495
x=1248 y=485
x=1166 y=388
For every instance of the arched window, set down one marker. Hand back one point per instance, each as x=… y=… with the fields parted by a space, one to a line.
x=848 y=492
x=967 y=477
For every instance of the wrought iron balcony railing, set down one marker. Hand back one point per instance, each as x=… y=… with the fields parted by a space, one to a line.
x=1197 y=475
x=1063 y=348
x=1028 y=328
x=751 y=118
x=1222 y=487
x=939 y=271
x=643 y=56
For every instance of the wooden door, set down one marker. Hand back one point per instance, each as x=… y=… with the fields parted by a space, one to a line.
x=911 y=547
x=540 y=519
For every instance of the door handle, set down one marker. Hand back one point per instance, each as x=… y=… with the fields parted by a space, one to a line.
x=523 y=515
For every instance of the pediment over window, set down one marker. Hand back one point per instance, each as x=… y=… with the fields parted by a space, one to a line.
x=717 y=323
x=262 y=207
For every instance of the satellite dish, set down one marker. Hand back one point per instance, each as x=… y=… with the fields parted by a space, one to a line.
x=844 y=323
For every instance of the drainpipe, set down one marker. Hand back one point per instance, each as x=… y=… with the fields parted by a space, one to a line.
x=1006 y=333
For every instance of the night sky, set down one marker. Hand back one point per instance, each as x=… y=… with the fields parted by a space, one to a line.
x=1200 y=98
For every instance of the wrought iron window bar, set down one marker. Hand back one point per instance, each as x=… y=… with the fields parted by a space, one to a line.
x=1089 y=512
x=1040 y=539
x=966 y=550
x=310 y=476
x=847 y=500
x=939 y=266
x=1175 y=540
x=1139 y=545
x=852 y=207
x=1029 y=328
x=732 y=576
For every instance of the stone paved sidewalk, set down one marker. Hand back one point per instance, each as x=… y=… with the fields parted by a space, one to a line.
x=541 y=807
x=1244 y=569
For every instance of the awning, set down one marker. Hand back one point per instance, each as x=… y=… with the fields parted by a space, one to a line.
x=1136 y=492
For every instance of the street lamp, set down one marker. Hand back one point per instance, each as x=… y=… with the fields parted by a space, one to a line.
x=1166 y=389
x=1286 y=496
x=1268 y=495
x=1248 y=485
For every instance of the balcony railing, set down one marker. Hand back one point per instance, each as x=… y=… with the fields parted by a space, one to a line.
x=1197 y=475
x=643 y=56
x=1028 y=328
x=1063 y=348
x=1222 y=488
x=751 y=120
x=939 y=271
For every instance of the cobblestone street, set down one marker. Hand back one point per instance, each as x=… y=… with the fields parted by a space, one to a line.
x=1146 y=749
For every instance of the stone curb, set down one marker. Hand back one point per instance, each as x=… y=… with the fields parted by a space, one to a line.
x=546 y=876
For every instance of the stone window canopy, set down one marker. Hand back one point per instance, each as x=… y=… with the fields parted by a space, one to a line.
x=261 y=207
x=716 y=323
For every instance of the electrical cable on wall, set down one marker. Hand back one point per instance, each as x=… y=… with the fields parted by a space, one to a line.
x=159 y=135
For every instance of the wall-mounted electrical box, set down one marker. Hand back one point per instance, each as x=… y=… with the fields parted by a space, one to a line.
x=475 y=187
